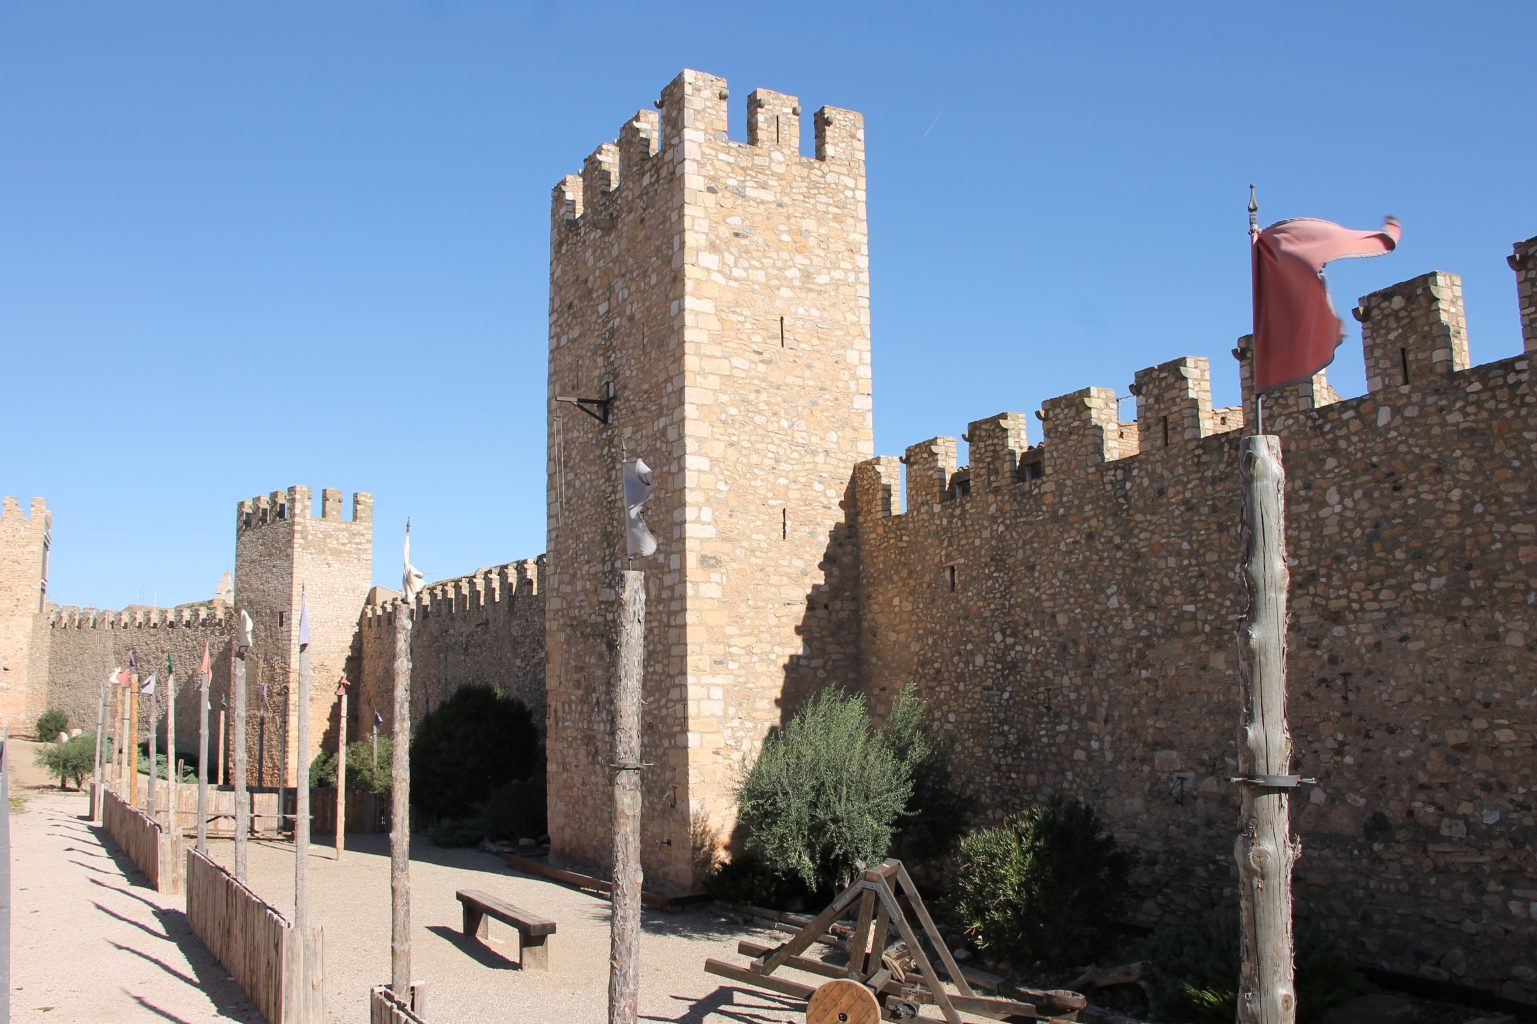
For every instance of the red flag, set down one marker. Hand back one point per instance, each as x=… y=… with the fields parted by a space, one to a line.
x=1295 y=327
x=205 y=668
x=120 y=677
x=342 y=684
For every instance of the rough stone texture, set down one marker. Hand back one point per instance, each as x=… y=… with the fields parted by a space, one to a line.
x=281 y=548
x=722 y=290
x=1076 y=634
x=483 y=628
x=23 y=595
x=1523 y=260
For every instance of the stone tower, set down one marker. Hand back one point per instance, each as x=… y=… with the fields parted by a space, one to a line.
x=23 y=592
x=281 y=547
x=720 y=293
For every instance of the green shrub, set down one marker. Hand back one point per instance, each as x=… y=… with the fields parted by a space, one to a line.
x=825 y=793
x=458 y=831
x=1194 y=971
x=163 y=767
x=72 y=759
x=362 y=773
x=745 y=881
x=937 y=813
x=1040 y=887
x=469 y=745
x=49 y=724
x=517 y=810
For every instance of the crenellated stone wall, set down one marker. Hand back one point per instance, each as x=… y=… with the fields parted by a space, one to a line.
x=1075 y=630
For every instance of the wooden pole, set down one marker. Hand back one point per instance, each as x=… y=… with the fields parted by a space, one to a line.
x=237 y=740
x=222 y=779
x=400 y=810
x=302 y=815
x=341 y=771
x=133 y=739
x=101 y=725
x=5 y=878
x=117 y=731
x=624 y=913
x=1265 y=850
x=173 y=774
x=202 y=761
x=154 y=766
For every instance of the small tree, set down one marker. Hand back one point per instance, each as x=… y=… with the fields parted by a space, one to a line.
x=1041 y=886
x=72 y=759
x=937 y=812
x=826 y=791
x=474 y=742
x=49 y=724
x=361 y=771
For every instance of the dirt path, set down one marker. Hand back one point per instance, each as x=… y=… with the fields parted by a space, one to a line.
x=91 y=942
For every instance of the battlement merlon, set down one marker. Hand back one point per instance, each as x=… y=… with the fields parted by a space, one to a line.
x=1080 y=430
x=930 y=466
x=693 y=112
x=10 y=508
x=1523 y=260
x=995 y=445
x=1413 y=331
x=298 y=503
x=877 y=488
x=1173 y=403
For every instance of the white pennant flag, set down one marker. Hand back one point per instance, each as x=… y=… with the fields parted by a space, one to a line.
x=149 y=685
x=410 y=577
x=247 y=629
x=304 y=622
x=637 y=488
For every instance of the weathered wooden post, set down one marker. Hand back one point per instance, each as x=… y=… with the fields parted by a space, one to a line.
x=101 y=724
x=5 y=879
x=173 y=773
x=205 y=678
x=629 y=671
x=133 y=739
x=302 y=801
x=222 y=777
x=114 y=744
x=1265 y=850
x=624 y=922
x=154 y=765
x=242 y=800
x=400 y=786
x=341 y=767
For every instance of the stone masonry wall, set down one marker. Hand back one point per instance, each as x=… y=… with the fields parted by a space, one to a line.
x=483 y=628
x=85 y=645
x=281 y=547
x=23 y=591
x=1074 y=629
x=722 y=291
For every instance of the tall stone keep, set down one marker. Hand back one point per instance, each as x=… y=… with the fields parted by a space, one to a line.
x=714 y=298
x=24 y=540
x=281 y=548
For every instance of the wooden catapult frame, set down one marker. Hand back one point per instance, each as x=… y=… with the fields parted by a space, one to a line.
x=873 y=899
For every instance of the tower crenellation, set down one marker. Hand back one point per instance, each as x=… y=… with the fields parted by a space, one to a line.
x=1523 y=260
x=1413 y=331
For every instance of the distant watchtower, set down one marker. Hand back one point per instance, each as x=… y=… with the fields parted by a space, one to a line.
x=24 y=543
x=281 y=546
x=720 y=292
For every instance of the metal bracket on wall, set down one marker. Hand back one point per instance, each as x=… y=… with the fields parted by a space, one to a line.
x=597 y=408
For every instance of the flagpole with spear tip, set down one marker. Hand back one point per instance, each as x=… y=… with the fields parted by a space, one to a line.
x=1295 y=335
x=302 y=962
x=341 y=765
x=204 y=679
x=154 y=760
x=400 y=795
x=173 y=786
x=243 y=645
x=101 y=724
x=133 y=736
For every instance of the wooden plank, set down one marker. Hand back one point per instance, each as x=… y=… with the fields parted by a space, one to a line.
x=859 y=938
x=818 y=925
x=941 y=997
x=783 y=986
x=916 y=901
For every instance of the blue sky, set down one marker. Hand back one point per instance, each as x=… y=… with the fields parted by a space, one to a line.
x=249 y=245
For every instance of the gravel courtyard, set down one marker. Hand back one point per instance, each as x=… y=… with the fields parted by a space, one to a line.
x=91 y=943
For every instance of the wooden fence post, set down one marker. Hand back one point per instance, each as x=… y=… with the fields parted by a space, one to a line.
x=400 y=805
x=237 y=740
x=624 y=902
x=1264 y=849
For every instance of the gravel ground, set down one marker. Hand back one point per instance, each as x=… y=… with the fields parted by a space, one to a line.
x=92 y=943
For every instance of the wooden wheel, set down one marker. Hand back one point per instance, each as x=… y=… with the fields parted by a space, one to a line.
x=843 y=1002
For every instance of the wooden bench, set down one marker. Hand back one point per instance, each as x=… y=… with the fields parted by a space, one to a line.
x=533 y=952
